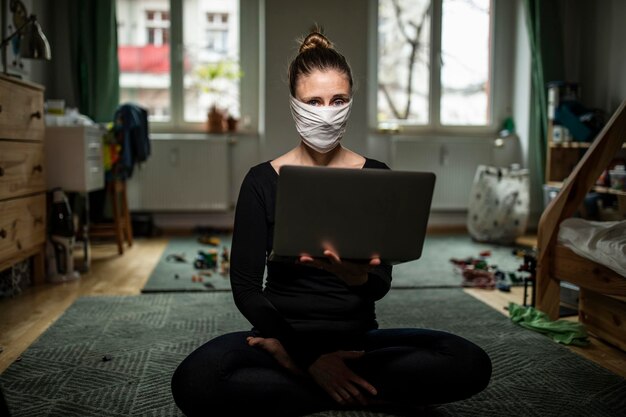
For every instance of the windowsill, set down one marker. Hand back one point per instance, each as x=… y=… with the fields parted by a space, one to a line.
x=227 y=136
x=430 y=133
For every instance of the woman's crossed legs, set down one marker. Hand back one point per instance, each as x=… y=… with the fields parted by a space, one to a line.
x=408 y=367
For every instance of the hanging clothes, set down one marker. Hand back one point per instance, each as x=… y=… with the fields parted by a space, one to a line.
x=131 y=131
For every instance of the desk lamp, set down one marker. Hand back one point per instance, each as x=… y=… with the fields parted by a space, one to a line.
x=33 y=42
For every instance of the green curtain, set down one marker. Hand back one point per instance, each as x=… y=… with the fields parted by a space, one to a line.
x=93 y=27
x=544 y=26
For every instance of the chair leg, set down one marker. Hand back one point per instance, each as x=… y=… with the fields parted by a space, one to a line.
x=128 y=226
x=117 y=221
x=121 y=228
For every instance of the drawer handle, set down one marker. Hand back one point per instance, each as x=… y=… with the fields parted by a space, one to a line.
x=38 y=168
x=3 y=233
x=36 y=115
x=1 y=172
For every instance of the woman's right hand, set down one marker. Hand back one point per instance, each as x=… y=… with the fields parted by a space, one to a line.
x=337 y=379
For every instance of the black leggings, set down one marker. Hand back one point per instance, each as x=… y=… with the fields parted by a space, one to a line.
x=410 y=367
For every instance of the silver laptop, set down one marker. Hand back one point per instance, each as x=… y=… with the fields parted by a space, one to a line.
x=357 y=212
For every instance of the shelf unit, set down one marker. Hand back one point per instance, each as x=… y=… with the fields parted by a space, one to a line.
x=597 y=188
x=562 y=157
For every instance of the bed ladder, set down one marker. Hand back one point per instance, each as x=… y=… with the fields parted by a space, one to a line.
x=575 y=187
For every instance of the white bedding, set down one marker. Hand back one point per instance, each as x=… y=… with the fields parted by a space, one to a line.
x=602 y=242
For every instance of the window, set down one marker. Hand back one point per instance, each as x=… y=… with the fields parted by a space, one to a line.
x=434 y=63
x=158 y=26
x=217 y=31
x=178 y=58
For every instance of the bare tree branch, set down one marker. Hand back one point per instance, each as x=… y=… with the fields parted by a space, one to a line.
x=398 y=12
x=415 y=45
x=410 y=30
x=392 y=106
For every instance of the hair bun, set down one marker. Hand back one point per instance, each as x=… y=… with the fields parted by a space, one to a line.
x=315 y=40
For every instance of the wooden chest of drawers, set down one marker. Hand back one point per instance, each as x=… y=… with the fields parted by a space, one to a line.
x=22 y=175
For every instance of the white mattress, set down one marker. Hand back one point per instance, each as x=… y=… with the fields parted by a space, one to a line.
x=602 y=242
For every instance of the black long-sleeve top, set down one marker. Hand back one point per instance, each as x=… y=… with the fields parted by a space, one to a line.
x=310 y=311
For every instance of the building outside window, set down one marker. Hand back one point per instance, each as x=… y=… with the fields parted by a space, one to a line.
x=158 y=27
x=178 y=58
x=434 y=63
x=217 y=31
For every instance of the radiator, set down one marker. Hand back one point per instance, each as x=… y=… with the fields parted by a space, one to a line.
x=183 y=175
x=453 y=160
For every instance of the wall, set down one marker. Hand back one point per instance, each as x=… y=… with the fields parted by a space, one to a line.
x=602 y=58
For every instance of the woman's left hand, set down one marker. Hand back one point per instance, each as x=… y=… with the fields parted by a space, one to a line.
x=350 y=272
x=276 y=349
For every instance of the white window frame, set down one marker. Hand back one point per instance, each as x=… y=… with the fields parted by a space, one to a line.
x=500 y=101
x=249 y=11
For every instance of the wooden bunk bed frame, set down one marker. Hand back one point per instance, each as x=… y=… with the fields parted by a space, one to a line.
x=602 y=298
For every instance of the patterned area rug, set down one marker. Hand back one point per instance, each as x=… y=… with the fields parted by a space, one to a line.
x=145 y=337
x=432 y=270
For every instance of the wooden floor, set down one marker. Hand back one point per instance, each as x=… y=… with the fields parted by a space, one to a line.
x=28 y=315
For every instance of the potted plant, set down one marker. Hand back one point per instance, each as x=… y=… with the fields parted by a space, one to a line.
x=213 y=78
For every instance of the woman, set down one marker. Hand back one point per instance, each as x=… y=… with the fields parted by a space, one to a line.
x=315 y=343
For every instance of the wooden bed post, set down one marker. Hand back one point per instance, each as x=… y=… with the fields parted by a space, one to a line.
x=568 y=200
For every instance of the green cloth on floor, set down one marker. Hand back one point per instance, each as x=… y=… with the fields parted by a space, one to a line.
x=561 y=331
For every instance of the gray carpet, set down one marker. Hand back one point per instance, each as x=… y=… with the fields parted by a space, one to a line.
x=432 y=270
x=63 y=374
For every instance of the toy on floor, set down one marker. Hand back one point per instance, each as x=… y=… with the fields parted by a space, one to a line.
x=477 y=273
x=206 y=259
x=209 y=240
x=176 y=257
x=225 y=263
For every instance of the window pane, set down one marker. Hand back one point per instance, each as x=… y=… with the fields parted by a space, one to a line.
x=465 y=41
x=211 y=69
x=143 y=35
x=403 y=61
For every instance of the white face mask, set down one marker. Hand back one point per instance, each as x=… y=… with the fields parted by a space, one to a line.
x=321 y=127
